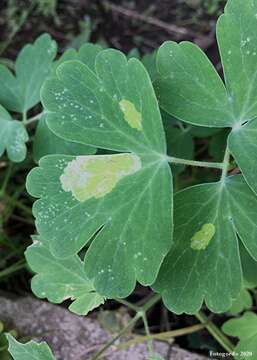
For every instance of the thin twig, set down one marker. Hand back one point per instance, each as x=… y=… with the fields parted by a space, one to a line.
x=215 y=332
x=208 y=164
x=112 y=341
x=170 y=28
x=164 y=336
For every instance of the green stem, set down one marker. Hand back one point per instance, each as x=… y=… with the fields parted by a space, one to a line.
x=112 y=341
x=165 y=336
x=24 y=117
x=6 y=179
x=225 y=164
x=34 y=118
x=148 y=334
x=12 y=269
x=208 y=164
x=128 y=304
x=215 y=332
x=151 y=302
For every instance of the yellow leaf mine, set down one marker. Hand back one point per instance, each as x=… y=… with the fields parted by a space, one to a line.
x=131 y=115
x=202 y=238
x=95 y=176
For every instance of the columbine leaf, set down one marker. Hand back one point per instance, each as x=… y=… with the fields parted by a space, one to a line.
x=21 y=92
x=13 y=137
x=179 y=144
x=249 y=267
x=46 y=142
x=217 y=145
x=133 y=53
x=31 y=350
x=202 y=132
x=245 y=328
x=61 y=279
x=125 y=199
x=204 y=263
x=190 y=88
x=242 y=302
x=149 y=61
x=86 y=53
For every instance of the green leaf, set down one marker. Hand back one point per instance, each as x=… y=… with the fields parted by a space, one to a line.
x=249 y=267
x=61 y=279
x=217 y=145
x=13 y=137
x=245 y=328
x=179 y=144
x=115 y=197
x=31 y=350
x=242 y=144
x=190 y=89
x=213 y=215
x=242 y=302
x=46 y=142
x=86 y=53
x=133 y=53
x=149 y=61
x=85 y=30
x=202 y=132
x=69 y=54
x=33 y=65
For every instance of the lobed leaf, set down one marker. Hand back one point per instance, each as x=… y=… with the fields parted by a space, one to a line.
x=46 y=142
x=249 y=267
x=13 y=137
x=179 y=144
x=242 y=302
x=245 y=328
x=190 y=89
x=31 y=350
x=61 y=279
x=20 y=92
x=122 y=202
x=210 y=271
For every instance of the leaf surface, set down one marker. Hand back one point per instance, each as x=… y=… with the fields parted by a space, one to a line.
x=13 y=137
x=179 y=144
x=190 y=89
x=249 y=267
x=245 y=328
x=122 y=199
x=61 y=279
x=193 y=272
x=30 y=350
x=46 y=142
x=242 y=302
x=20 y=92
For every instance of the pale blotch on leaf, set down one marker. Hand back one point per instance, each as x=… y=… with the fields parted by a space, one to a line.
x=202 y=238
x=131 y=115
x=97 y=175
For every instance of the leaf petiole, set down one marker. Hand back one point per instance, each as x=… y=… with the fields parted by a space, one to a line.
x=33 y=119
x=208 y=164
x=112 y=341
x=225 y=164
x=215 y=332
